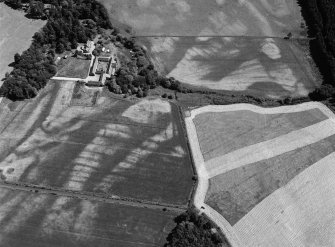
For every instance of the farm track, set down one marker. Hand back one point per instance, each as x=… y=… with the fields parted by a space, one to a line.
x=91 y=196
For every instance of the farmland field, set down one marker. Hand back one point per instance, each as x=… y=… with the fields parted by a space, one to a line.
x=224 y=44
x=259 y=170
x=115 y=148
x=259 y=66
x=16 y=32
x=211 y=18
x=73 y=68
x=42 y=220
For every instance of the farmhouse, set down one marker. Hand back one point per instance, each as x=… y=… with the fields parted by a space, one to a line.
x=88 y=47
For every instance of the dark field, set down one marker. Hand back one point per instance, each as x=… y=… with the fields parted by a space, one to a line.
x=116 y=148
x=224 y=132
x=234 y=193
x=41 y=220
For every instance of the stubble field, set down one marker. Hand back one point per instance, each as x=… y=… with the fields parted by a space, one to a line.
x=259 y=170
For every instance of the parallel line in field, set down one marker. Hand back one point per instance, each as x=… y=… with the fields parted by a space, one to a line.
x=91 y=196
x=77 y=234
x=219 y=36
x=271 y=148
x=100 y=145
x=107 y=121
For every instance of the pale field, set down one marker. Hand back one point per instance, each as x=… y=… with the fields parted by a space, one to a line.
x=16 y=32
x=298 y=214
x=115 y=147
x=254 y=193
x=207 y=18
x=229 y=45
x=265 y=67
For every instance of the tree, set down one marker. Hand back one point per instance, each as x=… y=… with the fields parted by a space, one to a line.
x=17 y=58
x=36 y=9
x=194 y=230
x=60 y=48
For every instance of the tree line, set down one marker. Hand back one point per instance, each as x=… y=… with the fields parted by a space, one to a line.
x=320 y=18
x=66 y=26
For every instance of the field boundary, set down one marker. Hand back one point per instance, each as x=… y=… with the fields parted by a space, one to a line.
x=91 y=196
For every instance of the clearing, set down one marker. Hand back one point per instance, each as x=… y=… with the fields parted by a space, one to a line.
x=113 y=148
x=16 y=32
x=259 y=167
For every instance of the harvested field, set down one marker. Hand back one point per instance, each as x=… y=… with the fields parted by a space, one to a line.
x=233 y=130
x=42 y=220
x=236 y=192
x=254 y=189
x=211 y=18
x=299 y=214
x=16 y=32
x=264 y=67
x=224 y=44
x=73 y=68
x=116 y=148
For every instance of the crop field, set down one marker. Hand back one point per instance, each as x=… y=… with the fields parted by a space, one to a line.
x=73 y=68
x=211 y=18
x=260 y=171
x=116 y=148
x=16 y=32
x=224 y=44
x=259 y=66
x=43 y=220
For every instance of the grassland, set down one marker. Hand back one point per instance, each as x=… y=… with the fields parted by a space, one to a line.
x=73 y=68
x=256 y=187
x=133 y=150
x=36 y=220
x=16 y=32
